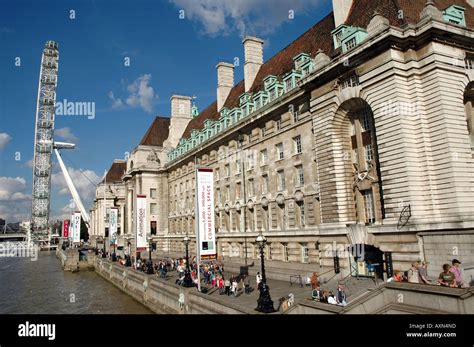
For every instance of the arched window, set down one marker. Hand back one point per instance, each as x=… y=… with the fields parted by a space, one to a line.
x=367 y=193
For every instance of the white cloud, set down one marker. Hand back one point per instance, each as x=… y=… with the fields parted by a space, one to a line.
x=116 y=102
x=4 y=139
x=140 y=94
x=247 y=17
x=29 y=163
x=83 y=181
x=66 y=134
x=15 y=203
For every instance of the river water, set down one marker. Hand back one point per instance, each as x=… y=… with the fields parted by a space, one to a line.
x=41 y=286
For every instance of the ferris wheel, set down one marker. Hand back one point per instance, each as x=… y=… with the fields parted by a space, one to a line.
x=44 y=145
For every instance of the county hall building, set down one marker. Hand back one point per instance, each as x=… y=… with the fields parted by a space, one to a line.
x=356 y=137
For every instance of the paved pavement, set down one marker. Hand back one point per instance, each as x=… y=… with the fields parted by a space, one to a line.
x=279 y=289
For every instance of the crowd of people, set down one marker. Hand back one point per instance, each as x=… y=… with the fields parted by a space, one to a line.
x=327 y=296
x=451 y=276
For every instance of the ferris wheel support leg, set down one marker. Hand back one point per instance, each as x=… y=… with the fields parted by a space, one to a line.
x=72 y=189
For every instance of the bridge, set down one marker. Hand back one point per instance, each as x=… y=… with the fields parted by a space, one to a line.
x=13 y=237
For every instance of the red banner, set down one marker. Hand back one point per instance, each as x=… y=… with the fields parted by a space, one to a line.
x=66 y=228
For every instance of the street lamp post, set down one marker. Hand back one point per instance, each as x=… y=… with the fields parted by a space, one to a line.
x=264 y=302
x=150 y=262
x=188 y=281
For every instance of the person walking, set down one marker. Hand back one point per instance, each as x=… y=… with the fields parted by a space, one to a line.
x=227 y=287
x=235 y=287
x=247 y=284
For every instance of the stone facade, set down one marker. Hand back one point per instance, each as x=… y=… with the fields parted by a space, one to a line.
x=372 y=145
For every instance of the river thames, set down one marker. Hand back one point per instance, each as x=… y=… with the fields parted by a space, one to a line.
x=41 y=286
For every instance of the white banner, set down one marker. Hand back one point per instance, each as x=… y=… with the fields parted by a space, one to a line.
x=71 y=228
x=113 y=220
x=76 y=222
x=141 y=222
x=205 y=213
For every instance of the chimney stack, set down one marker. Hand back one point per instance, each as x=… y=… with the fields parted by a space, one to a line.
x=225 y=82
x=341 y=9
x=180 y=117
x=253 y=50
x=181 y=106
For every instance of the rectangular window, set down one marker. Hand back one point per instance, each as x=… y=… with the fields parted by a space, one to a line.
x=304 y=253
x=369 y=153
x=238 y=166
x=306 y=71
x=302 y=214
x=218 y=195
x=227 y=193
x=227 y=170
x=217 y=174
x=264 y=157
x=280 y=151
x=258 y=103
x=296 y=116
x=369 y=206
x=281 y=180
x=469 y=62
x=263 y=129
x=250 y=187
x=289 y=84
x=153 y=193
x=365 y=120
x=351 y=81
x=279 y=125
x=351 y=43
x=286 y=258
x=264 y=184
x=273 y=94
x=300 y=175
x=298 y=147
x=153 y=209
x=237 y=191
x=250 y=160
x=268 y=251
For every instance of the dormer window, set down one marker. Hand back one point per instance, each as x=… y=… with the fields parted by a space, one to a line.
x=455 y=14
x=338 y=35
x=245 y=97
x=269 y=81
x=300 y=60
x=348 y=37
x=290 y=80
x=260 y=99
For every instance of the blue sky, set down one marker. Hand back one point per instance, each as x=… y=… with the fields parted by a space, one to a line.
x=168 y=55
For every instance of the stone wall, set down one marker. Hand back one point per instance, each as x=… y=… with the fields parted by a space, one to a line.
x=162 y=297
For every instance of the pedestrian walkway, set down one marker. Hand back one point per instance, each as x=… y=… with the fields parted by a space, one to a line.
x=280 y=289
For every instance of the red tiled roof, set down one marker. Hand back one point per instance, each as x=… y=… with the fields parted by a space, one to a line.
x=116 y=171
x=157 y=133
x=319 y=37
